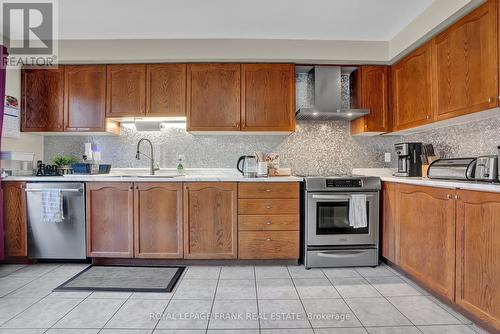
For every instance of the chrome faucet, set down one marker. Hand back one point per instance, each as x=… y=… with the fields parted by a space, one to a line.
x=153 y=168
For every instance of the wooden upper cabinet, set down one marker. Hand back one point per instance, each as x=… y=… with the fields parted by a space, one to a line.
x=42 y=99
x=166 y=90
x=268 y=97
x=126 y=90
x=389 y=226
x=374 y=96
x=213 y=97
x=466 y=58
x=426 y=218
x=110 y=216
x=210 y=220
x=412 y=89
x=15 y=225
x=478 y=246
x=158 y=220
x=85 y=97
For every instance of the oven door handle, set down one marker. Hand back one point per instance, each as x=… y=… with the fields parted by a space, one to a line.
x=339 y=197
x=337 y=254
x=332 y=197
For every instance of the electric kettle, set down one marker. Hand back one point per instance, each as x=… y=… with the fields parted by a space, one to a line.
x=247 y=165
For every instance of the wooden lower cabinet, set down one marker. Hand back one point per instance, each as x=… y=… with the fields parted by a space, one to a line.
x=268 y=221
x=14 y=214
x=390 y=228
x=269 y=245
x=268 y=206
x=478 y=250
x=426 y=219
x=110 y=219
x=158 y=220
x=449 y=240
x=210 y=220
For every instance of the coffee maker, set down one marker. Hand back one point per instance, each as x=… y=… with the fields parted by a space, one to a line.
x=409 y=161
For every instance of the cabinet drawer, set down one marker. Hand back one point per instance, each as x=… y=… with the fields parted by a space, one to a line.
x=268 y=190
x=268 y=245
x=268 y=223
x=268 y=206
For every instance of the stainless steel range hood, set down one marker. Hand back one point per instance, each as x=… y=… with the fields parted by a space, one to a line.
x=331 y=94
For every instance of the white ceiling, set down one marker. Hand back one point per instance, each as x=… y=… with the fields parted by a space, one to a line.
x=360 y=20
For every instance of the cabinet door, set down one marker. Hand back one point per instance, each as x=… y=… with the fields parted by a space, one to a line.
x=268 y=97
x=158 y=220
x=426 y=218
x=110 y=218
x=42 y=99
x=126 y=90
x=390 y=228
x=466 y=64
x=166 y=90
x=85 y=97
x=210 y=220
x=213 y=97
x=478 y=247
x=14 y=215
x=374 y=96
x=412 y=89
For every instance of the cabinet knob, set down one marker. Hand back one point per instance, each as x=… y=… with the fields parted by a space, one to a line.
x=427 y=117
x=268 y=223
x=449 y=196
x=130 y=188
x=457 y=197
x=490 y=99
x=268 y=239
x=268 y=207
x=268 y=190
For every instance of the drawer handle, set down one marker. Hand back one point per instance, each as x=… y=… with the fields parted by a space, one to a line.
x=268 y=223
x=268 y=239
x=268 y=190
x=268 y=207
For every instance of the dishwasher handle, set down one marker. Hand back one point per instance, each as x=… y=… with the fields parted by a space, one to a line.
x=61 y=190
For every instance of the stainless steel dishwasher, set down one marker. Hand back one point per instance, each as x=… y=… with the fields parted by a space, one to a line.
x=62 y=240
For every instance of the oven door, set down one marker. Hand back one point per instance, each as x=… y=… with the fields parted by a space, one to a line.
x=328 y=222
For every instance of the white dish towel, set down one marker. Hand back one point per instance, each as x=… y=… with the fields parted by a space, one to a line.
x=52 y=206
x=357 y=211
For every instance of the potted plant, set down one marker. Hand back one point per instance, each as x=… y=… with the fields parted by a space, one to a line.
x=64 y=162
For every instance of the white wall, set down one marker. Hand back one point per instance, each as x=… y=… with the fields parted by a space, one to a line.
x=439 y=15
x=435 y=18
x=27 y=142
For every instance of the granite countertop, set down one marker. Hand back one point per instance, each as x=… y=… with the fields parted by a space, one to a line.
x=385 y=174
x=163 y=175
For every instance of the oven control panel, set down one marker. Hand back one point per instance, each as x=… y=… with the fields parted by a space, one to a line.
x=344 y=183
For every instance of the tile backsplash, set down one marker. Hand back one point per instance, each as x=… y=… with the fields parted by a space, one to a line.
x=469 y=139
x=320 y=148
x=315 y=148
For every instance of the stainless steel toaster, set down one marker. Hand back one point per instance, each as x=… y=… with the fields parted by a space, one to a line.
x=486 y=168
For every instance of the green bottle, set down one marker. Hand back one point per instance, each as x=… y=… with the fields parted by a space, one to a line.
x=180 y=164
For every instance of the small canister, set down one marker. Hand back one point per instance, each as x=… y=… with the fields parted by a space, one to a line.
x=262 y=169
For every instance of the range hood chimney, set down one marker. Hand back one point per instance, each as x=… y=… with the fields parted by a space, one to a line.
x=331 y=97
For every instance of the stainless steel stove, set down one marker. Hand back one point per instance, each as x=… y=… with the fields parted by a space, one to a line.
x=341 y=221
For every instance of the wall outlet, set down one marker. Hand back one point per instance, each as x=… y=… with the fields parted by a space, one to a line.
x=387 y=157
